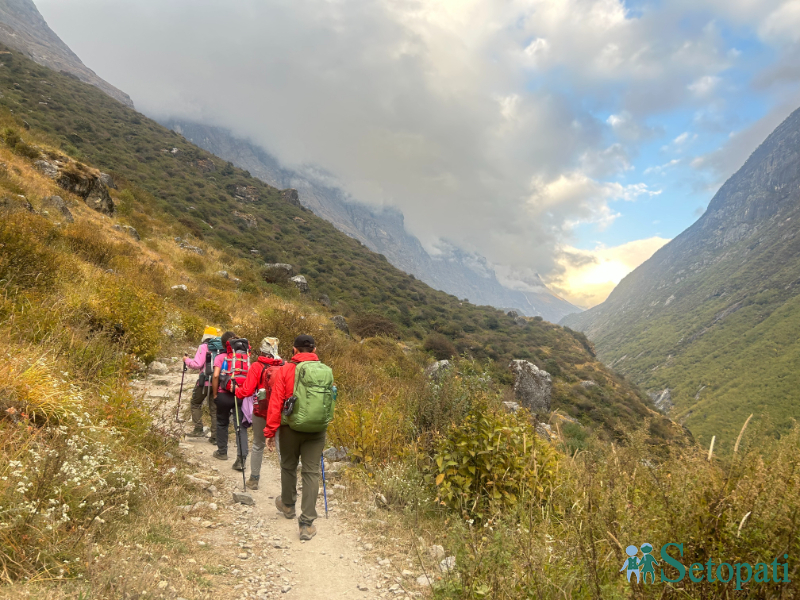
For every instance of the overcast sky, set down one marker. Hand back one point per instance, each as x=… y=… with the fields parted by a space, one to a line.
x=566 y=137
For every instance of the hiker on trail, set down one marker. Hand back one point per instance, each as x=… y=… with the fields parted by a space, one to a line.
x=226 y=403
x=303 y=388
x=203 y=362
x=259 y=383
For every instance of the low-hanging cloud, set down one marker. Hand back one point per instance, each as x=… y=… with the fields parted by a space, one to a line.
x=468 y=115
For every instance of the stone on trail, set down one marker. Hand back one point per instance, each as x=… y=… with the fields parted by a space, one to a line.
x=436 y=552
x=423 y=581
x=448 y=564
x=158 y=368
x=243 y=498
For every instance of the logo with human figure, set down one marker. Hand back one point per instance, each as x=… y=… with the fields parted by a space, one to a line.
x=641 y=567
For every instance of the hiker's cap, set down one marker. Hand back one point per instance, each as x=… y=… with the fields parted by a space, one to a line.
x=304 y=341
x=269 y=345
x=211 y=332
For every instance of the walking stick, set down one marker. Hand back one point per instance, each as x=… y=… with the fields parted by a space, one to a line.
x=324 y=492
x=180 y=393
x=238 y=426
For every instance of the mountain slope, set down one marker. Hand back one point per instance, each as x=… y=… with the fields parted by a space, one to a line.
x=23 y=28
x=456 y=272
x=714 y=316
x=162 y=178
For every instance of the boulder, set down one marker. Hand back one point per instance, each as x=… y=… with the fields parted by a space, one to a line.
x=187 y=246
x=334 y=454
x=47 y=168
x=325 y=301
x=277 y=272
x=520 y=321
x=341 y=324
x=248 y=220
x=291 y=196
x=300 y=283
x=57 y=203
x=158 y=368
x=513 y=314
x=86 y=183
x=544 y=431
x=180 y=287
x=108 y=181
x=532 y=386
x=129 y=230
x=437 y=369
x=511 y=406
x=206 y=165
x=223 y=274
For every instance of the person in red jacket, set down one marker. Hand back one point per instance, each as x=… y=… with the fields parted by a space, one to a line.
x=259 y=376
x=295 y=445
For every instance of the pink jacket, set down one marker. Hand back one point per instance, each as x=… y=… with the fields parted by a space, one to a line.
x=199 y=360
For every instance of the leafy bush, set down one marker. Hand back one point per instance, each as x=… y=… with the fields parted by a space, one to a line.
x=439 y=346
x=371 y=324
x=492 y=462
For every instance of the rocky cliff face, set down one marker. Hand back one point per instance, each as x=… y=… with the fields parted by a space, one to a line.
x=23 y=28
x=456 y=272
x=712 y=318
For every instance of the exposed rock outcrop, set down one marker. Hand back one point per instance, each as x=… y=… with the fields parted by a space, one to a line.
x=341 y=324
x=532 y=386
x=291 y=196
x=662 y=400
x=129 y=230
x=438 y=369
x=300 y=283
x=249 y=221
x=80 y=180
x=277 y=272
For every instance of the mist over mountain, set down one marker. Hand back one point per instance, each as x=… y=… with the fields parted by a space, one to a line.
x=710 y=325
x=453 y=270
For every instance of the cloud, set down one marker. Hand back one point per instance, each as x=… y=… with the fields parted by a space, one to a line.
x=499 y=126
x=588 y=276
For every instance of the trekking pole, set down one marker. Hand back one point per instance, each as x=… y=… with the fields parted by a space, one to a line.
x=180 y=393
x=324 y=493
x=238 y=427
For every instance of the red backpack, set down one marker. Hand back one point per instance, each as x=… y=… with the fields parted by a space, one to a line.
x=235 y=367
x=264 y=390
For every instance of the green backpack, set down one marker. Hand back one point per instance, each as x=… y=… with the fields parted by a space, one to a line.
x=314 y=401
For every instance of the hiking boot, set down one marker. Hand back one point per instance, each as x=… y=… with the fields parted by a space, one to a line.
x=237 y=465
x=307 y=532
x=252 y=484
x=286 y=511
x=196 y=432
x=213 y=440
x=220 y=455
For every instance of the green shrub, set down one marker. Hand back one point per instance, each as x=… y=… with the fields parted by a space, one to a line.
x=438 y=345
x=491 y=462
x=372 y=324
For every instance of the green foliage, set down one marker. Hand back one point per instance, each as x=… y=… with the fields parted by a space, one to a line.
x=439 y=346
x=492 y=462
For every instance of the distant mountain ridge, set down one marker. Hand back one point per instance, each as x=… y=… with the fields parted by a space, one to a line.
x=710 y=324
x=455 y=271
x=23 y=28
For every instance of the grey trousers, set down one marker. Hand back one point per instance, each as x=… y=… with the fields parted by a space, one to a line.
x=257 y=456
x=294 y=446
x=198 y=398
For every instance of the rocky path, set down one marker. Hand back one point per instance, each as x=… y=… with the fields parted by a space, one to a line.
x=253 y=551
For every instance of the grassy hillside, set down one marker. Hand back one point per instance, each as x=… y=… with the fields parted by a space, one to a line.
x=714 y=316
x=169 y=187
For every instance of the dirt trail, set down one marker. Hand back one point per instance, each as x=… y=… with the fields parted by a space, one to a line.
x=257 y=551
